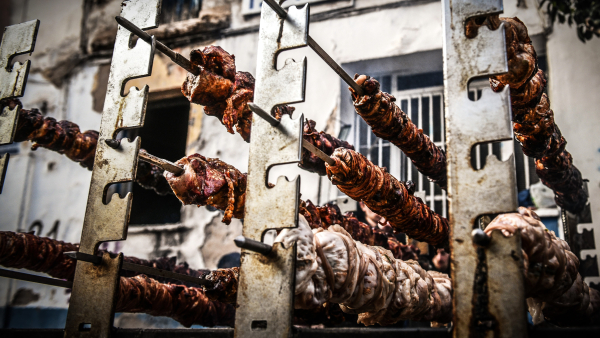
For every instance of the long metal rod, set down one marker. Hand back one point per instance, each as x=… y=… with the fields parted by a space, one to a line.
x=36 y=279
x=143 y=269
x=252 y=245
x=274 y=122
x=315 y=46
x=176 y=57
x=166 y=165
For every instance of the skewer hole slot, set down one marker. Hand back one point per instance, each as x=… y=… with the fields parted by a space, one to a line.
x=85 y=327
x=259 y=325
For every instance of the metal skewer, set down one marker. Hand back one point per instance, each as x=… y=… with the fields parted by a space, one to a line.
x=36 y=279
x=315 y=46
x=252 y=245
x=176 y=57
x=148 y=158
x=166 y=165
x=274 y=122
x=140 y=268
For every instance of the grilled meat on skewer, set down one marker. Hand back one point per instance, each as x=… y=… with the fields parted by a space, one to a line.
x=389 y=122
x=362 y=180
x=225 y=94
x=553 y=285
x=213 y=182
x=365 y=280
x=533 y=120
x=65 y=138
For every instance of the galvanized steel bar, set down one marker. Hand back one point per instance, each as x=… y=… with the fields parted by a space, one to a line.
x=16 y=40
x=267 y=311
x=487 y=281
x=94 y=289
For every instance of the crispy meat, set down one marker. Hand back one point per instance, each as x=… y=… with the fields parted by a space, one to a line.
x=362 y=180
x=533 y=120
x=65 y=138
x=322 y=141
x=550 y=271
x=27 y=251
x=214 y=84
x=209 y=181
x=232 y=109
x=364 y=280
x=187 y=305
x=389 y=122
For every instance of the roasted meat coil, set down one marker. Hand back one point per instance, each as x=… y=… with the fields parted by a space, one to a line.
x=65 y=138
x=362 y=180
x=225 y=94
x=365 y=280
x=533 y=120
x=553 y=285
x=187 y=305
x=389 y=122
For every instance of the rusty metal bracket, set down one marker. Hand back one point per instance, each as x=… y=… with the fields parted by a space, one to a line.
x=472 y=193
x=264 y=311
x=91 y=298
x=16 y=40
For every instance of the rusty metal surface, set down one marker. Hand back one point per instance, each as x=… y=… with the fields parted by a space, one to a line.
x=472 y=193
x=108 y=222
x=266 y=287
x=93 y=298
x=16 y=40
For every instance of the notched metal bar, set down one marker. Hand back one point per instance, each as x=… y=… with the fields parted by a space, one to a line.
x=16 y=40
x=276 y=207
x=472 y=193
x=92 y=302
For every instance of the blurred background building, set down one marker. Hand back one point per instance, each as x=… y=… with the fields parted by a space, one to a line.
x=398 y=42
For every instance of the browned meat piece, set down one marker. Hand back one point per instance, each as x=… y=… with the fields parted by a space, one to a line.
x=232 y=108
x=553 y=284
x=65 y=138
x=209 y=181
x=324 y=142
x=187 y=305
x=214 y=84
x=533 y=120
x=390 y=123
x=224 y=287
x=362 y=180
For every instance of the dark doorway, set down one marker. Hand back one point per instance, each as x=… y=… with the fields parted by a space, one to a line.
x=164 y=135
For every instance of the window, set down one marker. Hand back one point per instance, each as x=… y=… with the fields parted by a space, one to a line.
x=253 y=6
x=179 y=10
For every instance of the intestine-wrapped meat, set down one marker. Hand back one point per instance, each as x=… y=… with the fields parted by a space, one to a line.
x=366 y=280
x=65 y=138
x=330 y=214
x=553 y=285
x=225 y=94
x=390 y=123
x=533 y=120
x=362 y=180
x=187 y=305
x=209 y=181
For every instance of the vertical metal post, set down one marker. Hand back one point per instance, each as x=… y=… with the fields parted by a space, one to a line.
x=483 y=305
x=16 y=40
x=265 y=298
x=91 y=310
